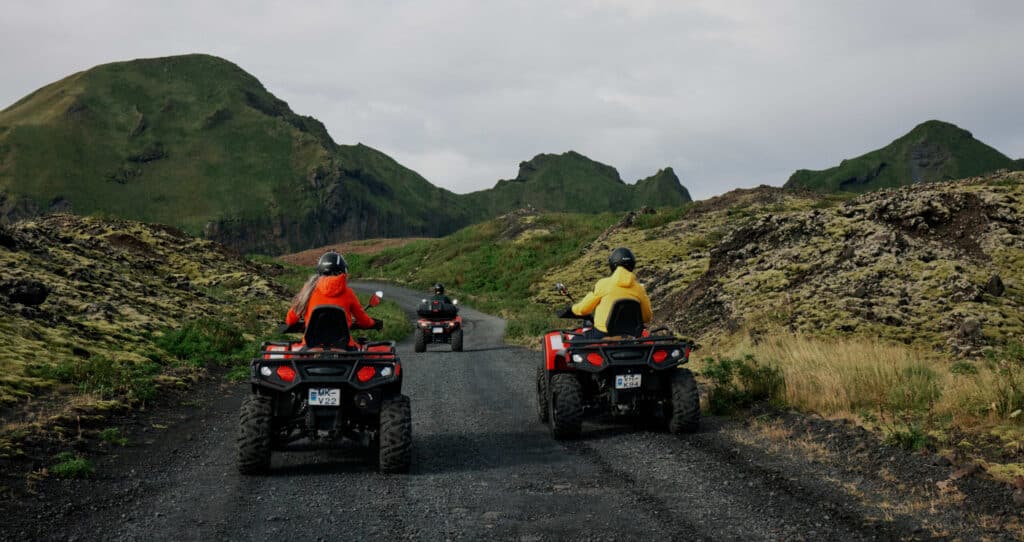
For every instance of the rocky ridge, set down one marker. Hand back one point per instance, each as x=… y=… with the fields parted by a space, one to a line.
x=935 y=265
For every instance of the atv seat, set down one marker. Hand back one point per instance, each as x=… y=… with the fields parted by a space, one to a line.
x=327 y=328
x=625 y=318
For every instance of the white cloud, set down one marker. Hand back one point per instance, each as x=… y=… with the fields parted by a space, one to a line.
x=729 y=93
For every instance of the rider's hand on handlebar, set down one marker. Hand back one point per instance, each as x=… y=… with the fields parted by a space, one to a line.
x=567 y=312
x=378 y=324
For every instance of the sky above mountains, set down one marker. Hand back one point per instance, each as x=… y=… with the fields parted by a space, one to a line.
x=730 y=94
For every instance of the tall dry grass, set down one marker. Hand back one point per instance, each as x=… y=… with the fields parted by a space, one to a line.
x=848 y=376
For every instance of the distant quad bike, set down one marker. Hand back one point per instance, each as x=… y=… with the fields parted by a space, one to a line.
x=630 y=372
x=320 y=390
x=438 y=323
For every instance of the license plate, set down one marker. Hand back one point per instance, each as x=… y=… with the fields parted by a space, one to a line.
x=625 y=382
x=325 y=396
x=438 y=330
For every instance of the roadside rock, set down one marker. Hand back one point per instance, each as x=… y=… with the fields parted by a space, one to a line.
x=25 y=291
x=995 y=286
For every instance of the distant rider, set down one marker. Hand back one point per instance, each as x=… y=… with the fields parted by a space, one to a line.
x=439 y=294
x=622 y=284
x=329 y=286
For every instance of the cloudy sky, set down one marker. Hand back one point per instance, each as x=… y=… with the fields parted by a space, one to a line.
x=728 y=93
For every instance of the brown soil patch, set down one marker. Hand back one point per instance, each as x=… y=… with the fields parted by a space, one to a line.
x=363 y=246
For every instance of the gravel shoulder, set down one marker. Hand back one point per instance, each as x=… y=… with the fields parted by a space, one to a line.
x=484 y=467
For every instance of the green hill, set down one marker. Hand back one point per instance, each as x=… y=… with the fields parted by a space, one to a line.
x=572 y=182
x=932 y=151
x=195 y=142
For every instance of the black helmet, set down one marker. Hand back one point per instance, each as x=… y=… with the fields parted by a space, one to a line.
x=439 y=288
x=331 y=264
x=621 y=257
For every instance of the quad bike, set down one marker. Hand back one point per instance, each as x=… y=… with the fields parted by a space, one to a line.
x=438 y=323
x=629 y=372
x=323 y=390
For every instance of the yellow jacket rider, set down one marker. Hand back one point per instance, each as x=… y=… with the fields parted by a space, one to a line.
x=622 y=284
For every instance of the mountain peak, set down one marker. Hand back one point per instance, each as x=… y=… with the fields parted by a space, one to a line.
x=932 y=151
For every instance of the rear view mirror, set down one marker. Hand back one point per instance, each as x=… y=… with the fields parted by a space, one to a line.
x=375 y=299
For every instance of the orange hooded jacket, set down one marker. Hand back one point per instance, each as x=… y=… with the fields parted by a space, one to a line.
x=333 y=291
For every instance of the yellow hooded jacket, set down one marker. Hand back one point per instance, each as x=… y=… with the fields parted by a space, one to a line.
x=621 y=285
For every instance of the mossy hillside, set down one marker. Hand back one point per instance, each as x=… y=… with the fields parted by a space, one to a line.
x=491 y=266
x=196 y=142
x=141 y=139
x=914 y=266
x=114 y=288
x=932 y=151
x=673 y=246
x=574 y=183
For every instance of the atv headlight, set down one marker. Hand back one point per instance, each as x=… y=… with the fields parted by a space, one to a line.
x=386 y=371
x=675 y=353
x=266 y=371
x=578 y=358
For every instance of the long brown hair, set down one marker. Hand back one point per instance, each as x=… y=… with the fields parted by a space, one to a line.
x=301 y=300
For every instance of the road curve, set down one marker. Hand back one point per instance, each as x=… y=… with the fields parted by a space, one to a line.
x=483 y=468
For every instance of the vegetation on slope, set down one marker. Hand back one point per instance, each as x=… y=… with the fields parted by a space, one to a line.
x=492 y=266
x=574 y=183
x=932 y=151
x=900 y=309
x=103 y=315
x=195 y=142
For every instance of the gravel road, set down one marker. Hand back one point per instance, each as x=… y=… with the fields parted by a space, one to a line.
x=483 y=468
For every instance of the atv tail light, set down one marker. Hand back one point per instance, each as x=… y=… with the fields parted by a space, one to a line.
x=659 y=356
x=386 y=371
x=577 y=358
x=595 y=359
x=286 y=373
x=266 y=371
x=365 y=373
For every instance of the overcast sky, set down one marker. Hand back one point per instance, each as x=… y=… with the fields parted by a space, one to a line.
x=729 y=93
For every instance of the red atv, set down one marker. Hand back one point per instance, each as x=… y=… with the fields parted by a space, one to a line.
x=438 y=323
x=321 y=389
x=629 y=372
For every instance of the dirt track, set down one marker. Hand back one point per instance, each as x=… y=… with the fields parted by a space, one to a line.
x=484 y=468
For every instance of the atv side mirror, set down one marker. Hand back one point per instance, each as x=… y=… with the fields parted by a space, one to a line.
x=560 y=288
x=375 y=299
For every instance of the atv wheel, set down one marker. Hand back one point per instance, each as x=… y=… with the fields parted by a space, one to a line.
x=395 y=452
x=566 y=406
x=685 y=403
x=254 y=434
x=542 y=395
x=457 y=340
x=421 y=341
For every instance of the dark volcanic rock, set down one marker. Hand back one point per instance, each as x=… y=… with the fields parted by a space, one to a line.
x=995 y=286
x=25 y=291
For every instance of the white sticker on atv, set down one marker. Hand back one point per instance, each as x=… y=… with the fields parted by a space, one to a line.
x=556 y=343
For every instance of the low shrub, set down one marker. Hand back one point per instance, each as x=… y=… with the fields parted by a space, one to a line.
x=738 y=383
x=70 y=465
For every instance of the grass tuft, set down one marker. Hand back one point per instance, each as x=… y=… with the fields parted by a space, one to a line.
x=71 y=465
